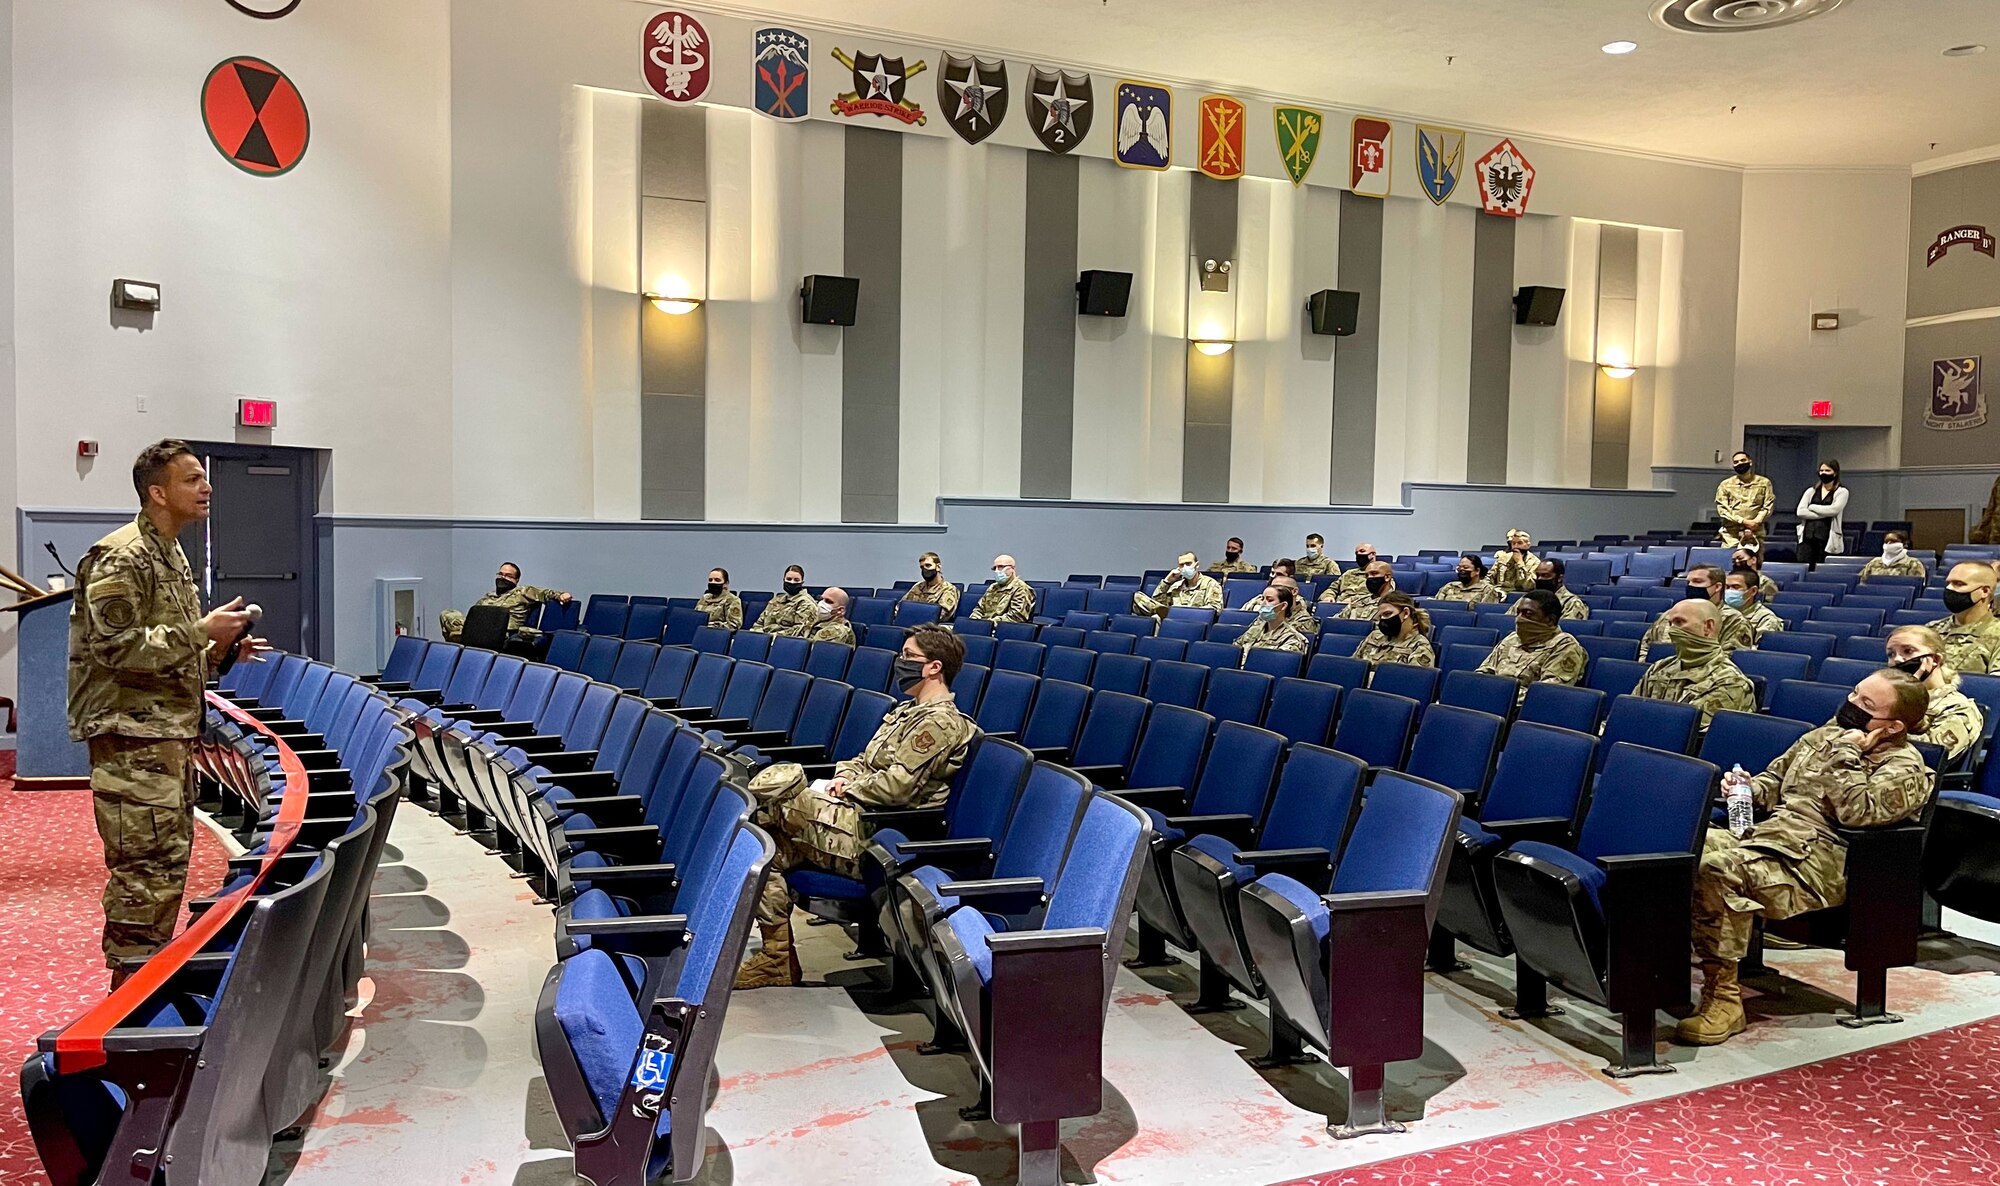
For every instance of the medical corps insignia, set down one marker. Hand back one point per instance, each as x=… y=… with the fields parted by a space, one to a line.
x=675 y=57
x=1958 y=398
x=782 y=64
x=1440 y=158
x=1221 y=141
x=972 y=93
x=1145 y=126
x=1369 y=163
x=1505 y=181
x=880 y=86
x=1059 y=108
x=1298 y=139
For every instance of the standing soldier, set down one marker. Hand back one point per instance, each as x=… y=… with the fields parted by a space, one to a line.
x=1008 y=598
x=792 y=612
x=510 y=594
x=1744 y=503
x=723 y=607
x=934 y=589
x=1699 y=672
x=139 y=653
x=1988 y=531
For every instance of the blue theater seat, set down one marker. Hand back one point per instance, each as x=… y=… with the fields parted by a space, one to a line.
x=1302 y=710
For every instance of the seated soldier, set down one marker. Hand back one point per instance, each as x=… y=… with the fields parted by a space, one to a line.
x=1699 y=672
x=509 y=592
x=1767 y=589
x=1315 y=562
x=1954 y=720
x=1351 y=583
x=1970 y=632
x=1303 y=616
x=934 y=589
x=1705 y=581
x=1550 y=575
x=1282 y=569
x=1377 y=580
x=1232 y=559
x=1184 y=585
x=1401 y=634
x=830 y=622
x=1538 y=651
x=1895 y=560
x=1514 y=567
x=1742 y=591
x=1859 y=772
x=921 y=744
x=1008 y=598
x=721 y=604
x=792 y=611
x=1471 y=587
x=1276 y=628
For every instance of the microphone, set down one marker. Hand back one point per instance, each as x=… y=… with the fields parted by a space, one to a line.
x=229 y=658
x=51 y=546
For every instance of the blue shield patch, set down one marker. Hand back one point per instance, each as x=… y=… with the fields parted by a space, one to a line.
x=1145 y=125
x=780 y=73
x=1440 y=161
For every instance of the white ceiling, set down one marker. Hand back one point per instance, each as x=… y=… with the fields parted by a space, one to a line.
x=1864 y=85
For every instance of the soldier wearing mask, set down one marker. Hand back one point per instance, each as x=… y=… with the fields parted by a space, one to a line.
x=793 y=611
x=1377 y=580
x=1471 y=587
x=1971 y=634
x=1008 y=598
x=723 y=607
x=1699 y=672
x=910 y=761
x=1954 y=720
x=1314 y=562
x=1352 y=582
x=830 y=622
x=1401 y=634
x=1184 y=585
x=933 y=589
x=1275 y=628
x=1514 y=566
x=1549 y=576
x=1743 y=503
x=1704 y=583
x=1232 y=559
x=1741 y=592
x=1895 y=560
x=1859 y=772
x=512 y=595
x=1538 y=651
x=1767 y=589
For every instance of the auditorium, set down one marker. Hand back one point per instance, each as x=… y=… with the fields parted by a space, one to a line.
x=1026 y=593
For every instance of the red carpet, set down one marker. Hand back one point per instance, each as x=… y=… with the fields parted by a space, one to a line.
x=1922 y=1111
x=51 y=879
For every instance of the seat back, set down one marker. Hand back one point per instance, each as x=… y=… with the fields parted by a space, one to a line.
x=865 y=710
x=1057 y=716
x=1017 y=655
x=744 y=691
x=606 y=613
x=1344 y=670
x=1100 y=878
x=670 y=672
x=712 y=640
x=1069 y=663
x=751 y=645
x=1749 y=740
x=635 y=663
x=486 y=626
x=1400 y=843
x=501 y=679
x=1234 y=695
x=1170 y=749
x=1218 y=655
x=829 y=660
x=600 y=655
x=1487 y=693
x=1159 y=647
x=531 y=691
x=641 y=763
x=592 y=717
x=1239 y=772
x=784 y=694
x=1174 y=683
x=1059 y=636
x=1014 y=631
x=915 y=613
x=559 y=709
x=566 y=649
x=1646 y=802
x=1110 y=730
x=621 y=730
x=788 y=653
x=1110 y=642
x=1614 y=677
x=1400 y=679
x=1038 y=834
x=1004 y=706
x=1273 y=662
x=819 y=716
x=1815 y=647
x=646 y=623
x=980 y=648
x=968 y=684
x=1655 y=724
x=1541 y=775
x=1455 y=748
x=1302 y=711
x=406 y=655
x=1318 y=793
x=870 y=668
x=1581 y=709
x=1813 y=703
x=1120 y=673
x=1848 y=672
x=682 y=622
x=985 y=789
x=1375 y=727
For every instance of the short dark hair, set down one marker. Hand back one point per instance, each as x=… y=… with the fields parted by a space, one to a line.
x=151 y=467
x=940 y=644
x=1748 y=574
x=1714 y=571
x=1478 y=564
x=1284 y=562
x=723 y=571
x=1560 y=568
x=1315 y=536
x=1233 y=540
x=797 y=568
x=1550 y=605
x=512 y=565
x=1898 y=536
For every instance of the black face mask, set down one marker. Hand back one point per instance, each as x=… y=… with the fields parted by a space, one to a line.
x=714 y=587
x=502 y=584
x=1852 y=716
x=1232 y=557
x=928 y=573
x=1911 y=667
x=1390 y=627
x=909 y=673
x=1548 y=583
x=1825 y=476
x=1364 y=559
x=792 y=587
x=1740 y=469
x=1956 y=601
x=1466 y=576
x=1376 y=585
x=1691 y=593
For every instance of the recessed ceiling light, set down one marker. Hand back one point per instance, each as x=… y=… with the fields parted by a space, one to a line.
x=1626 y=47
x=1964 y=51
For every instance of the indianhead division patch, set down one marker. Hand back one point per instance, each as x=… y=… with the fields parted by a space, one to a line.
x=881 y=87
x=255 y=116
x=1060 y=105
x=1505 y=181
x=1219 y=147
x=1145 y=125
x=781 y=68
x=1298 y=131
x=1440 y=161
x=972 y=95
x=675 y=52
x=1370 y=165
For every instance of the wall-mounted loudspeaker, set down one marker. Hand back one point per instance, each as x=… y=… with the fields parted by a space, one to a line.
x=829 y=300
x=1103 y=294
x=1536 y=305
x=1332 y=311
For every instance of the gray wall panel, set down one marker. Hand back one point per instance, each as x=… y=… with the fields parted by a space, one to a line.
x=1963 y=278
x=872 y=360
x=1356 y=358
x=1926 y=344
x=673 y=350
x=1492 y=349
x=1617 y=318
x=1211 y=380
x=1048 y=327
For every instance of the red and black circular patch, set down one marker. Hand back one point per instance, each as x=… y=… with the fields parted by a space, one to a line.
x=255 y=116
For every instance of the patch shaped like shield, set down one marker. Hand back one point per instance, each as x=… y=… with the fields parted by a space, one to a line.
x=1505 y=181
x=1145 y=125
x=1060 y=105
x=1220 y=143
x=675 y=55
x=1371 y=167
x=881 y=87
x=1958 y=395
x=972 y=94
x=1298 y=131
x=1440 y=161
x=782 y=73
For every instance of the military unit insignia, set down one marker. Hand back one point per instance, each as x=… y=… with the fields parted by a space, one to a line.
x=1220 y=143
x=1440 y=158
x=880 y=88
x=255 y=116
x=1369 y=162
x=1145 y=125
x=674 y=58
x=972 y=94
x=1505 y=181
x=1965 y=234
x=1298 y=139
x=1059 y=108
x=782 y=65
x=1958 y=397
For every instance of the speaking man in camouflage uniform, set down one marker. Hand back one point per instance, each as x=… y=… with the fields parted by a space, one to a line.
x=1744 y=503
x=509 y=593
x=1314 y=562
x=830 y=622
x=1895 y=560
x=1742 y=592
x=1276 y=629
x=1954 y=720
x=933 y=589
x=921 y=744
x=1704 y=582
x=1513 y=569
x=723 y=607
x=1352 y=583
x=1232 y=559
x=1401 y=634
x=1008 y=598
x=792 y=611
x=1538 y=651
x=1767 y=589
x=1471 y=587
x=1699 y=672
x=1550 y=575
x=1859 y=772
x=1184 y=585
x=139 y=653
x=1988 y=530
x=1971 y=633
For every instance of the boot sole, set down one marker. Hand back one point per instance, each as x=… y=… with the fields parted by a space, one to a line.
x=1687 y=1039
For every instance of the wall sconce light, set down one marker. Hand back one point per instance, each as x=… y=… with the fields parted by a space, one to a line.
x=1213 y=346
x=674 y=305
x=142 y=296
x=1619 y=372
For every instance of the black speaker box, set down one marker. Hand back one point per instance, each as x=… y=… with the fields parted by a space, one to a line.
x=1332 y=311
x=829 y=300
x=1103 y=294
x=1537 y=305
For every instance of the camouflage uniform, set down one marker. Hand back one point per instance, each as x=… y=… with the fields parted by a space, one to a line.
x=1974 y=646
x=1560 y=660
x=1203 y=592
x=1574 y=608
x=1409 y=648
x=1953 y=721
x=1908 y=566
x=1734 y=630
x=1363 y=608
x=1233 y=567
x=1476 y=593
x=1713 y=685
x=1988 y=531
x=724 y=609
x=1352 y=584
x=1737 y=501
x=1794 y=861
x=940 y=593
x=137 y=662
x=831 y=630
x=1275 y=636
x=1011 y=602
x=516 y=601
x=1762 y=620
x=1315 y=566
x=1512 y=571
x=908 y=764
x=788 y=614
x=1767 y=589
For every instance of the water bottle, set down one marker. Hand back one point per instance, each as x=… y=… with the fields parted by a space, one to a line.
x=1738 y=797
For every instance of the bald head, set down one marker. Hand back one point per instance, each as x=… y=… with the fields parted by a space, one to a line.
x=1696 y=617
x=836 y=600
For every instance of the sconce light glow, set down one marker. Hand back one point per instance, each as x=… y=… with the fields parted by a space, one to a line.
x=674 y=305
x=1617 y=48
x=1213 y=346
x=1619 y=372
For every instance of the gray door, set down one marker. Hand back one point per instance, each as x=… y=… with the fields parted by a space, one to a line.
x=257 y=543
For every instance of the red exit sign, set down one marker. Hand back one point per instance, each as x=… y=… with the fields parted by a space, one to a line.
x=1822 y=409
x=263 y=413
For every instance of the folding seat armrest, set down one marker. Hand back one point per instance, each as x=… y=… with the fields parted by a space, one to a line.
x=632 y=880
x=1233 y=826
x=509 y=729
x=475 y=716
x=639 y=934
x=1884 y=894
x=268 y=715
x=317 y=759
x=666 y=702
x=1003 y=735
x=1311 y=866
x=338 y=780
x=585 y=781
x=1647 y=926
x=421 y=695
x=1050 y=753
x=285 y=868
x=756 y=737
x=940 y=851
x=691 y=712
x=1165 y=800
x=818 y=770
x=610 y=807
x=719 y=724
x=246 y=703
x=918 y=821
x=535 y=743
x=567 y=761
x=1065 y=939
x=802 y=754
x=639 y=842
x=452 y=710
x=1549 y=829
x=1109 y=777
x=1001 y=895
x=386 y=685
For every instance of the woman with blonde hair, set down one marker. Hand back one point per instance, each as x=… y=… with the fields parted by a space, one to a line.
x=1401 y=634
x=1953 y=720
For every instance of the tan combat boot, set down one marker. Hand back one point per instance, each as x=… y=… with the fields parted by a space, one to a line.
x=777 y=965
x=1720 y=1014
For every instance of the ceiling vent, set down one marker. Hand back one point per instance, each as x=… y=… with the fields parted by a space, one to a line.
x=1736 y=16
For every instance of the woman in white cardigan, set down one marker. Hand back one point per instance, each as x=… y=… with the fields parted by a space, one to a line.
x=1822 y=511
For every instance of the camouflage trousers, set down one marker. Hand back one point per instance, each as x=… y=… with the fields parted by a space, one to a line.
x=1737 y=535
x=1734 y=884
x=143 y=795
x=452 y=622
x=811 y=829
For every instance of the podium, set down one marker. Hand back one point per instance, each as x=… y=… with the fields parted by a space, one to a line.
x=45 y=758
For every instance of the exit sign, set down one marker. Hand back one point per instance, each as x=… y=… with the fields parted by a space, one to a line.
x=263 y=413
x=1822 y=409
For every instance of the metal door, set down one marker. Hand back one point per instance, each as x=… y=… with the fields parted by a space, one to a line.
x=257 y=543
